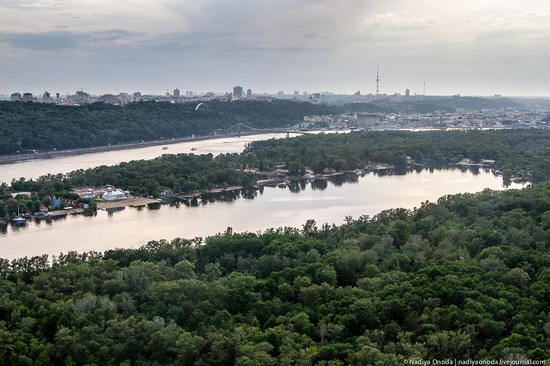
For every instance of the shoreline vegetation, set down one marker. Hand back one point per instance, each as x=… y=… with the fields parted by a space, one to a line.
x=521 y=155
x=11 y=159
x=464 y=278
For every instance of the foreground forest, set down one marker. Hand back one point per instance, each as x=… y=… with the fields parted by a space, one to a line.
x=467 y=277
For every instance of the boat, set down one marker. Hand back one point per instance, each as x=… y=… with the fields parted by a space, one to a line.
x=165 y=148
x=19 y=220
x=193 y=149
x=311 y=178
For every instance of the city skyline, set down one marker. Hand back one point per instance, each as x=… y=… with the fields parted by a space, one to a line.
x=467 y=47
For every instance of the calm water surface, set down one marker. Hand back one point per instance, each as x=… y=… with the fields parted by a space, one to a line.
x=36 y=168
x=272 y=208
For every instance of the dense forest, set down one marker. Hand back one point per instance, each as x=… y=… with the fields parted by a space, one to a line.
x=521 y=154
x=41 y=126
x=26 y=127
x=466 y=278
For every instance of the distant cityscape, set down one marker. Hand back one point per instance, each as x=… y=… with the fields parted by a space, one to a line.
x=503 y=118
x=177 y=96
x=461 y=119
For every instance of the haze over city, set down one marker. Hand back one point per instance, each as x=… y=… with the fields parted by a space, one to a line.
x=466 y=47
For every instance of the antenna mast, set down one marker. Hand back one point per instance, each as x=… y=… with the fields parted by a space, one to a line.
x=377 y=80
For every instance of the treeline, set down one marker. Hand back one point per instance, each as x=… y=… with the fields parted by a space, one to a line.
x=42 y=126
x=26 y=127
x=465 y=278
x=523 y=154
x=520 y=153
x=179 y=173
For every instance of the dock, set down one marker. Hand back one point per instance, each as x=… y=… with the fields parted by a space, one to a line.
x=133 y=202
x=191 y=196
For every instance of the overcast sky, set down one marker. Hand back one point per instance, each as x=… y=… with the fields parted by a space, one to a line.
x=471 y=47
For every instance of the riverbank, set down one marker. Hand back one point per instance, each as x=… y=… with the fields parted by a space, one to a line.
x=323 y=201
x=11 y=159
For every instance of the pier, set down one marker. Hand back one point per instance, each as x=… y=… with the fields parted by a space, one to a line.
x=132 y=202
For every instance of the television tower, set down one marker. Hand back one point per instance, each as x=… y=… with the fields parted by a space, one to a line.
x=377 y=81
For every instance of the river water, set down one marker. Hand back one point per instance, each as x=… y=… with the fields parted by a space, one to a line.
x=36 y=168
x=328 y=202
x=325 y=202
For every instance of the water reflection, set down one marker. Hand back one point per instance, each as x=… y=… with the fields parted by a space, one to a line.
x=250 y=194
x=324 y=200
x=319 y=184
x=39 y=167
x=112 y=210
x=297 y=186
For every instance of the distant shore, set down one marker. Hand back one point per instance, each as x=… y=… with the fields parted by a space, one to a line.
x=15 y=158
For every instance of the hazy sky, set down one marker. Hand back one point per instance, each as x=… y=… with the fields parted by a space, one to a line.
x=472 y=47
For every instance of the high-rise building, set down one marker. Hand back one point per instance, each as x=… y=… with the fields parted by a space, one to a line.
x=367 y=120
x=249 y=93
x=81 y=96
x=238 y=92
x=16 y=97
x=407 y=92
x=176 y=93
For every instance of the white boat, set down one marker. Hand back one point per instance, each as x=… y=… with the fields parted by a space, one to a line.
x=310 y=178
x=19 y=220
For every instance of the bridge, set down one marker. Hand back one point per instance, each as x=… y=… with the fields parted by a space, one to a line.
x=240 y=128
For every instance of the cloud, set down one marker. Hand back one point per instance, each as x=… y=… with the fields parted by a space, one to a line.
x=312 y=41
x=62 y=41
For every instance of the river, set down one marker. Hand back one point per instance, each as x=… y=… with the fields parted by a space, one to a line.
x=325 y=202
x=38 y=167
